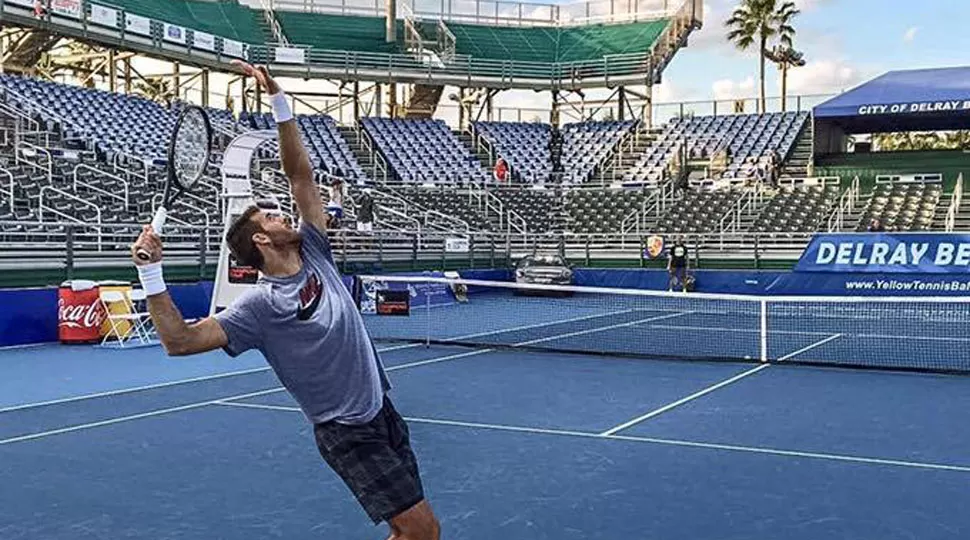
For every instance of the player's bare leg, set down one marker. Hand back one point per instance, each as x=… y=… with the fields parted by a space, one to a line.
x=415 y=523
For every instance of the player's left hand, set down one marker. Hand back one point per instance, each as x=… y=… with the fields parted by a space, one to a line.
x=149 y=242
x=260 y=73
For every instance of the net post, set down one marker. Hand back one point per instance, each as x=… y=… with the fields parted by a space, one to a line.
x=69 y=252
x=427 y=318
x=764 y=330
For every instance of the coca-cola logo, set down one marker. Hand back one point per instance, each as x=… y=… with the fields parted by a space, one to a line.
x=79 y=315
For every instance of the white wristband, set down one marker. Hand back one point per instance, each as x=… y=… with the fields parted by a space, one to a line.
x=281 y=108
x=152 y=281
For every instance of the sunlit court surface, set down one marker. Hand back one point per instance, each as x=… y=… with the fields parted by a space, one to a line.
x=514 y=439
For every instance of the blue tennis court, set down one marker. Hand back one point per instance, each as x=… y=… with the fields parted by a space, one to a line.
x=516 y=443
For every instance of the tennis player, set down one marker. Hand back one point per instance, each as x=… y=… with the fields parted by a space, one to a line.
x=304 y=321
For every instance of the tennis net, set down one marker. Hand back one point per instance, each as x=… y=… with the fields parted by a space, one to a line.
x=902 y=333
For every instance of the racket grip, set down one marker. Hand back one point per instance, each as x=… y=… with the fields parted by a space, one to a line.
x=158 y=223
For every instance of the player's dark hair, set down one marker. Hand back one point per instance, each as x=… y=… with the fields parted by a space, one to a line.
x=239 y=238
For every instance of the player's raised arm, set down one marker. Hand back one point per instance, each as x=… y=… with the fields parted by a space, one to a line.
x=296 y=160
x=178 y=337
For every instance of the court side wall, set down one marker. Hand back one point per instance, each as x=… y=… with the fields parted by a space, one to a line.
x=29 y=316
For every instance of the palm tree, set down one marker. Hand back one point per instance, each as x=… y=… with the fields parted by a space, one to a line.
x=761 y=21
x=785 y=57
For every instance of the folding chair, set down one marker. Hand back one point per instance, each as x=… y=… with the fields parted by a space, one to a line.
x=136 y=327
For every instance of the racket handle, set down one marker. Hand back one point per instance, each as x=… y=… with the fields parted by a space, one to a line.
x=158 y=223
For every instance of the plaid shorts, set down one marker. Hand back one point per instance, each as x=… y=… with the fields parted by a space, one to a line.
x=375 y=461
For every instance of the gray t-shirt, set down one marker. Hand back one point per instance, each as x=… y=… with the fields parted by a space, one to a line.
x=311 y=333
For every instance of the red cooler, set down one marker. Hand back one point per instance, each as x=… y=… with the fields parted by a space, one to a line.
x=79 y=312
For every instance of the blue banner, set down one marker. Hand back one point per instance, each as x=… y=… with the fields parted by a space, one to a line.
x=901 y=253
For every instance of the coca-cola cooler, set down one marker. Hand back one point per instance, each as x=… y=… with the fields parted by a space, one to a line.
x=79 y=312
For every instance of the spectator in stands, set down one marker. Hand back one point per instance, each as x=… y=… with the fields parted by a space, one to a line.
x=876 y=225
x=501 y=170
x=677 y=265
x=365 y=212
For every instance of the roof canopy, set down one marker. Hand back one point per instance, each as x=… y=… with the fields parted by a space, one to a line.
x=913 y=100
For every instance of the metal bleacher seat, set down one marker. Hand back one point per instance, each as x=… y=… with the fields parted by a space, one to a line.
x=524 y=146
x=424 y=151
x=902 y=206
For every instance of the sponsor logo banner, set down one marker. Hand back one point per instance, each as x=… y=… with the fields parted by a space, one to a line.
x=68 y=8
x=397 y=303
x=456 y=245
x=889 y=253
x=288 y=55
x=233 y=48
x=203 y=41
x=175 y=34
x=137 y=24
x=104 y=16
x=919 y=107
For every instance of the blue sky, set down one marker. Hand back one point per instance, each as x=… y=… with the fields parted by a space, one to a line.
x=845 y=42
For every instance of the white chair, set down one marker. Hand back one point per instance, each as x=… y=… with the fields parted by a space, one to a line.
x=138 y=301
x=136 y=320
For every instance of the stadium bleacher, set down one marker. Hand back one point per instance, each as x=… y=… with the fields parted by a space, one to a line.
x=902 y=206
x=524 y=146
x=93 y=128
x=424 y=151
x=797 y=209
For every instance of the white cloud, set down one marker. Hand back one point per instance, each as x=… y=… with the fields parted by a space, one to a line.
x=823 y=77
x=666 y=92
x=728 y=89
x=807 y=5
x=910 y=34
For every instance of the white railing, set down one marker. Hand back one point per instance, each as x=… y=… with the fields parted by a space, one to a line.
x=69 y=216
x=24 y=126
x=955 y=202
x=274 y=25
x=120 y=163
x=126 y=190
x=9 y=187
x=28 y=150
x=845 y=207
x=415 y=224
x=434 y=219
x=517 y=224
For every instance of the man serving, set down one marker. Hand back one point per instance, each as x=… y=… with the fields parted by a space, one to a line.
x=306 y=324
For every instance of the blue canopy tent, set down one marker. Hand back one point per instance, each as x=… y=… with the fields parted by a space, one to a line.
x=913 y=100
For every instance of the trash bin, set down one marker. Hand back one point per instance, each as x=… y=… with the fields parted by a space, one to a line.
x=122 y=307
x=79 y=312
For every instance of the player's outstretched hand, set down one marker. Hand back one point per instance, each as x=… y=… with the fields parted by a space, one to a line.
x=260 y=73
x=148 y=242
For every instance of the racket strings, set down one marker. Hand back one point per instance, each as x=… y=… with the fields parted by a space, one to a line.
x=191 y=149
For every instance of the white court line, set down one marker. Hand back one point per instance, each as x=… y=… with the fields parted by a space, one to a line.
x=262 y=369
x=134 y=389
x=654 y=440
x=679 y=402
x=809 y=347
x=604 y=328
x=154 y=386
x=258 y=406
x=438 y=359
x=534 y=341
x=712 y=388
x=805 y=333
x=729 y=329
x=129 y=418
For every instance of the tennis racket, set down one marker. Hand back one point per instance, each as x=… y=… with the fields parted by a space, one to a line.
x=188 y=157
